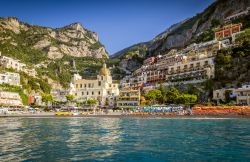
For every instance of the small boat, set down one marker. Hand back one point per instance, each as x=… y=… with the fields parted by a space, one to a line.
x=63 y=113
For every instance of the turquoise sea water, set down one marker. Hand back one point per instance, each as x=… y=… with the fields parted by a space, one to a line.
x=124 y=139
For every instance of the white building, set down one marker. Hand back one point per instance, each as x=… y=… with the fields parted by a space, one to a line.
x=59 y=94
x=102 y=89
x=220 y=94
x=10 y=63
x=10 y=78
x=243 y=95
x=10 y=99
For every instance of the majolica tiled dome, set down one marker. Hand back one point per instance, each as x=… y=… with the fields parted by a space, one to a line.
x=104 y=70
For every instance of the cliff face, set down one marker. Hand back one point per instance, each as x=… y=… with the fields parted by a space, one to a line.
x=181 y=34
x=72 y=40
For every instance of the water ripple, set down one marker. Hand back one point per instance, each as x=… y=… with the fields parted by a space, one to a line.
x=125 y=139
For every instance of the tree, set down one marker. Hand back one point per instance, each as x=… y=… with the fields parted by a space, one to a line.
x=215 y=23
x=186 y=99
x=171 y=95
x=223 y=57
x=163 y=92
x=70 y=97
x=153 y=95
x=92 y=102
x=44 y=86
x=47 y=98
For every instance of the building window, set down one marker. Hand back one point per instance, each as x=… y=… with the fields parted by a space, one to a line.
x=82 y=93
x=89 y=85
x=102 y=77
x=80 y=85
x=87 y=93
x=99 y=83
x=85 y=85
x=93 y=93
x=99 y=93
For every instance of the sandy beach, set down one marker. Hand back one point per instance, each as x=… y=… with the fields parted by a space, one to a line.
x=119 y=115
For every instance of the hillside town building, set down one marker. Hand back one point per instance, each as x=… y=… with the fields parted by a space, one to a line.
x=241 y=94
x=128 y=97
x=237 y=15
x=227 y=31
x=193 y=64
x=10 y=99
x=219 y=95
x=193 y=71
x=10 y=63
x=10 y=78
x=101 y=89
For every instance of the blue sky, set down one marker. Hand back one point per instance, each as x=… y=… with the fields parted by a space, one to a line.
x=119 y=23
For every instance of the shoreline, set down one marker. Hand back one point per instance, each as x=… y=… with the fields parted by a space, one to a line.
x=127 y=116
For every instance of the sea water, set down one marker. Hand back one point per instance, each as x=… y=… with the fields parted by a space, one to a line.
x=124 y=139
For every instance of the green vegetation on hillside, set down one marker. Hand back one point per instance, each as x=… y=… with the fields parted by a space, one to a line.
x=19 y=46
x=61 y=70
x=232 y=65
x=95 y=46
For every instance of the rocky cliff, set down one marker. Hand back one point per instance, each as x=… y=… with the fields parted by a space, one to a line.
x=72 y=40
x=183 y=33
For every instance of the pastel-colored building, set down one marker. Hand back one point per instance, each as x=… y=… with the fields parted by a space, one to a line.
x=194 y=71
x=101 y=89
x=193 y=64
x=227 y=31
x=128 y=97
x=35 y=99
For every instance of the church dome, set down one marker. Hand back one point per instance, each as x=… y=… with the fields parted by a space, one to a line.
x=104 y=70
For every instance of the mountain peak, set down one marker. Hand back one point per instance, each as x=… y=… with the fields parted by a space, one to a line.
x=77 y=26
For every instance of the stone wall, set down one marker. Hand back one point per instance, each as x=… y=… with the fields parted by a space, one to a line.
x=222 y=110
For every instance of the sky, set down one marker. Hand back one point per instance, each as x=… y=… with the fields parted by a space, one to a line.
x=118 y=23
